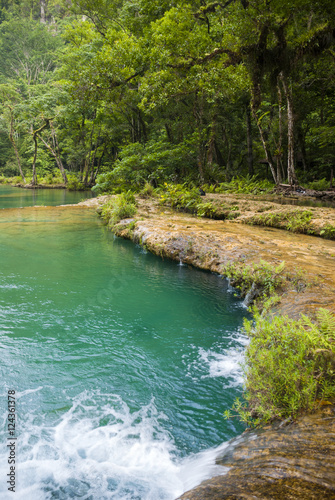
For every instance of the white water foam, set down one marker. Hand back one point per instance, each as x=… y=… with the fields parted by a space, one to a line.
x=226 y=364
x=219 y=362
x=99 y=449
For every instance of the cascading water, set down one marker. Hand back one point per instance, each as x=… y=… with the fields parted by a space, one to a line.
x=122 y=364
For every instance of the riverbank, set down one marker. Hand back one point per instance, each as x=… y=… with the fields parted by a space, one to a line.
x=214 y=244
x=265 y=464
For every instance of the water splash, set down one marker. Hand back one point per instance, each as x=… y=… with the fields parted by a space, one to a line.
x=99 y=448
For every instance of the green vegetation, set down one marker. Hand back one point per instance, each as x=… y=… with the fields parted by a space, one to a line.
x=244 y=185
x=119 y=207
x=321 y=185
x=296 y=221
x=289 y=367
x=262 y=279
x=180 y=197
x=121 y=94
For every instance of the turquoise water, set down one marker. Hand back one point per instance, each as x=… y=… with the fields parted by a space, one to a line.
x=122 y=363
x=11 y=197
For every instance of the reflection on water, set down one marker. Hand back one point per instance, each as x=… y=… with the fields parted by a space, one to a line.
x=11 y=197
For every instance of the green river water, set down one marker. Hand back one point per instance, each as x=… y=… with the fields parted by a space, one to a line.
x=122 y=364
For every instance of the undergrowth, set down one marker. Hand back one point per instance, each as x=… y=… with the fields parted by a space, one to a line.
x=122 y=206
x=289 y=367
x=319 y=185
x=245 y=185
x=296 y=221
x=263 y=279
x=180 y=197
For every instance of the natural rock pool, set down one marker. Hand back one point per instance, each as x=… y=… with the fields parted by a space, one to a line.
x=122 y=364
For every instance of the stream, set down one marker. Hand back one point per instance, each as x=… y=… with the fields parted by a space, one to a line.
x=122 y=363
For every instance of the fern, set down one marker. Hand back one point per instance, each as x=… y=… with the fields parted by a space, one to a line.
x=326 y=323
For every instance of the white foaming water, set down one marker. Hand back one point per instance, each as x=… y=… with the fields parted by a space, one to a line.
x=220 y=362
x=99 y=449
x=226 y=365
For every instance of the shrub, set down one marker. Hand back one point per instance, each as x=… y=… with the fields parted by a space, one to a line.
x=320 y=185
x=328 y=232
x=289 y=367
x=206 y=210
x=266 y=278
x=120 y=207
x=180 y=197
x=296 y=221
x=74 y=184
x=148 y=191
x=153 y=162
x=245 y=185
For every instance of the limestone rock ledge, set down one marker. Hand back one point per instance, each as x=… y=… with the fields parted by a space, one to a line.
x=211 y=244
x=285 y=461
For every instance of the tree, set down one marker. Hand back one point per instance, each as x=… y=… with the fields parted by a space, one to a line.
x=9 y=99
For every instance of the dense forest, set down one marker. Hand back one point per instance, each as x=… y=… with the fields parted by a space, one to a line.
x=128 y=92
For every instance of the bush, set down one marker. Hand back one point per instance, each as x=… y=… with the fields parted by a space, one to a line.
x=244 y=185
x=148 y=191
x=263 y=276
x=180 y=197
x=120 y=207
x=74 y=184
x=320 y=185
x=296 y=221
x=328 y=232
x=289 y=367
x=153 y=162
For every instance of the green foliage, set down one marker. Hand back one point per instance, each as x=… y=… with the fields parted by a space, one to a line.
x=153 y=162
x=156 y=92
x=320 y=185
x=296 y=221
x=75 y=184
x=328 y=232
x=118 y=207
x=148 y=191
x=245 y=185
x=206 y=210
x=179 y=196
x=289 y=367
x=265 y=278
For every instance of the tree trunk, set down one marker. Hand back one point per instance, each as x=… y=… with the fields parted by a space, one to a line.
x=12 y=140
x=95 y=174
x=35 y=134
x=88 y=158
x=229 y=148
x=266 y=148
x=250 y=156
x=211 y=142
x=57 y=154
x=198 y=115
x=42 y=10
x=280 y=169
x=291 y=175
x=57 y=159
x=33 y=182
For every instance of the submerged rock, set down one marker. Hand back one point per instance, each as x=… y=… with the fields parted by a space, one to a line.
x=288 y=460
